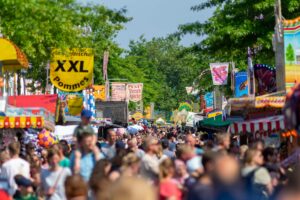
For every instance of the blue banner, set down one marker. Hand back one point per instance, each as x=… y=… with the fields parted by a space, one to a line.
x=241 y=84
x=209 y=101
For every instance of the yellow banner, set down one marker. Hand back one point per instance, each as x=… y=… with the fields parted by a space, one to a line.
x=73 y=70
x=99 y=92
x=75 y=104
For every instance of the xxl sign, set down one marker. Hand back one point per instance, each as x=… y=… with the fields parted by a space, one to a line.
x=73 y=70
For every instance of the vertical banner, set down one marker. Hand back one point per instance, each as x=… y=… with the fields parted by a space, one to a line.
x=241 y=84
x=292 y=51
x=219 y=72
x=99 y=92
x=71 y=103
x=135 y=91
x=209 y=101
x=118 y=91
x=265 y=77
x=105 y=76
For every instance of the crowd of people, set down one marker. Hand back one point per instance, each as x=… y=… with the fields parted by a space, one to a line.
x=159 y=163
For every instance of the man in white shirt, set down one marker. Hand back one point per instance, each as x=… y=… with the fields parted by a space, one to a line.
x=14 y=166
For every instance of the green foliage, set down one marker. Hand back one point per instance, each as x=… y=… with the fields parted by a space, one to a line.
x=290 y=54
x=36 y=26
x=236 y=25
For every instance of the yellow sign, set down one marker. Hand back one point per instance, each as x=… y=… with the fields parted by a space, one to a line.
x=214 y=114
x=148 y=112
x=99 y=92
x=75 y=104
x=137 y=116
x=72 y=71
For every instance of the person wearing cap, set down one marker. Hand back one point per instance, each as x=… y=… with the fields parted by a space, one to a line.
x=86 y=116
x=25 y=190
x=83 y=159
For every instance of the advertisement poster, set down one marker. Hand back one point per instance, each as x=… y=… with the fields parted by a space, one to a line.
x=241 y=84
x=72 y=71
x=71 y=103
x=209 y=101
x=99 y=92
x=118 y=91
x=265 y=77
x=292 y=51
x=135 y=91
x=219 y=72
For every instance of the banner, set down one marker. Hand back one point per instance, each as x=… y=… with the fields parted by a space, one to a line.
x=72 y=71
x=265 y=77
x=209 y=101
x=99 y=92
x=292 y=51
x=71 y=103
x=275 y=102
x=241 y=84
x=118 y=91
x=219 y=72
x=135 y=91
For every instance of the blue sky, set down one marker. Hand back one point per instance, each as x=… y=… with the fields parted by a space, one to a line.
x=155 y=18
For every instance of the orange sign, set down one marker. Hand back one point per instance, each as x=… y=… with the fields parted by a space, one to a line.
x=99 y=92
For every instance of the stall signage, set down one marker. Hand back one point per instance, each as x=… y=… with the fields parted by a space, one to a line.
x=73 y=70
x=276 y=102
x=219 y=72
x=135 y=91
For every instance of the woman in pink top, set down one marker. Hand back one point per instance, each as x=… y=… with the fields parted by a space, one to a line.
x=169 y=188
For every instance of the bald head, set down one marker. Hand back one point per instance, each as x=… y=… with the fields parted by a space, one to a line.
x=227 y=169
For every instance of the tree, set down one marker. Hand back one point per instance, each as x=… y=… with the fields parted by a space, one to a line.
x=36 y=26
x=237 y=25
x=290 y=54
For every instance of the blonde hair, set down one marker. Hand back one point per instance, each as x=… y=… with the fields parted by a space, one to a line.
x=164 y=168
x=130 y=159
x=249 y=155
x=131 y=188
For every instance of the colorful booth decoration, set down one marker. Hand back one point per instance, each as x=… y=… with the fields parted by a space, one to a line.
x=290 y=133
x=11 y=56
x=265 y=124
x=46 y=139
x=22 y=122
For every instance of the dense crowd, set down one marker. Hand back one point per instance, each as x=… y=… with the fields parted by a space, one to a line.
x=158 y=163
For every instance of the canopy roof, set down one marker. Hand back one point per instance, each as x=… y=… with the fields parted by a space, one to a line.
x=11 y=56
x=214 y=122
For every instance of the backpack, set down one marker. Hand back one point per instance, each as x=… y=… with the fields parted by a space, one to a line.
x=254 y=190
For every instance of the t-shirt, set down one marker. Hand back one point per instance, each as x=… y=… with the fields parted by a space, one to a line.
x=49 y=178
x=28 y=197
x=261 y=176
x=194 y=164
x=169 y=153
x=150 y=167
x=13 y=167
x=65 y=162
x=87 y=163
x=108 y=151
x=169 y=188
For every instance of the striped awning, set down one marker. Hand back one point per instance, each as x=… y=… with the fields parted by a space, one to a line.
x=263 y=124
x=22 y=122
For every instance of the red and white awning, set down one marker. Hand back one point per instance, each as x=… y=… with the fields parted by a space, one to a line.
x=264 y=124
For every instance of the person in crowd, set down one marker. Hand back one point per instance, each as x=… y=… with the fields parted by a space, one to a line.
x=14 y=166
x=131 y=188
x=44 y=156
x=150 y=162
x=160 y=155
x=259 y=145
x=76 y=188
x=63 y=151
x=99 y=181
x=169 y=188
x=223 y=142
x=133 y=147
x=172 y=140
x=257 y=178
x=203 y=188
x=86 y=116
x=4 y=156
x=191 y=141
x=25 y=189
x=29 y=152
x=181 y=174
x=243 y=149
x=130 y=165
x=53 y=179
x=83 y=159
x=166 y=151
x=192 y=160
x=109 y=148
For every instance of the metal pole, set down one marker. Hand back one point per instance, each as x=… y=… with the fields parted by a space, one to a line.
x=279 y=48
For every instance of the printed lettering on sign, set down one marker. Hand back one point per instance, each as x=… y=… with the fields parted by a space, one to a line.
x=135 y=91
x=72 y=71
x=219 y=72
